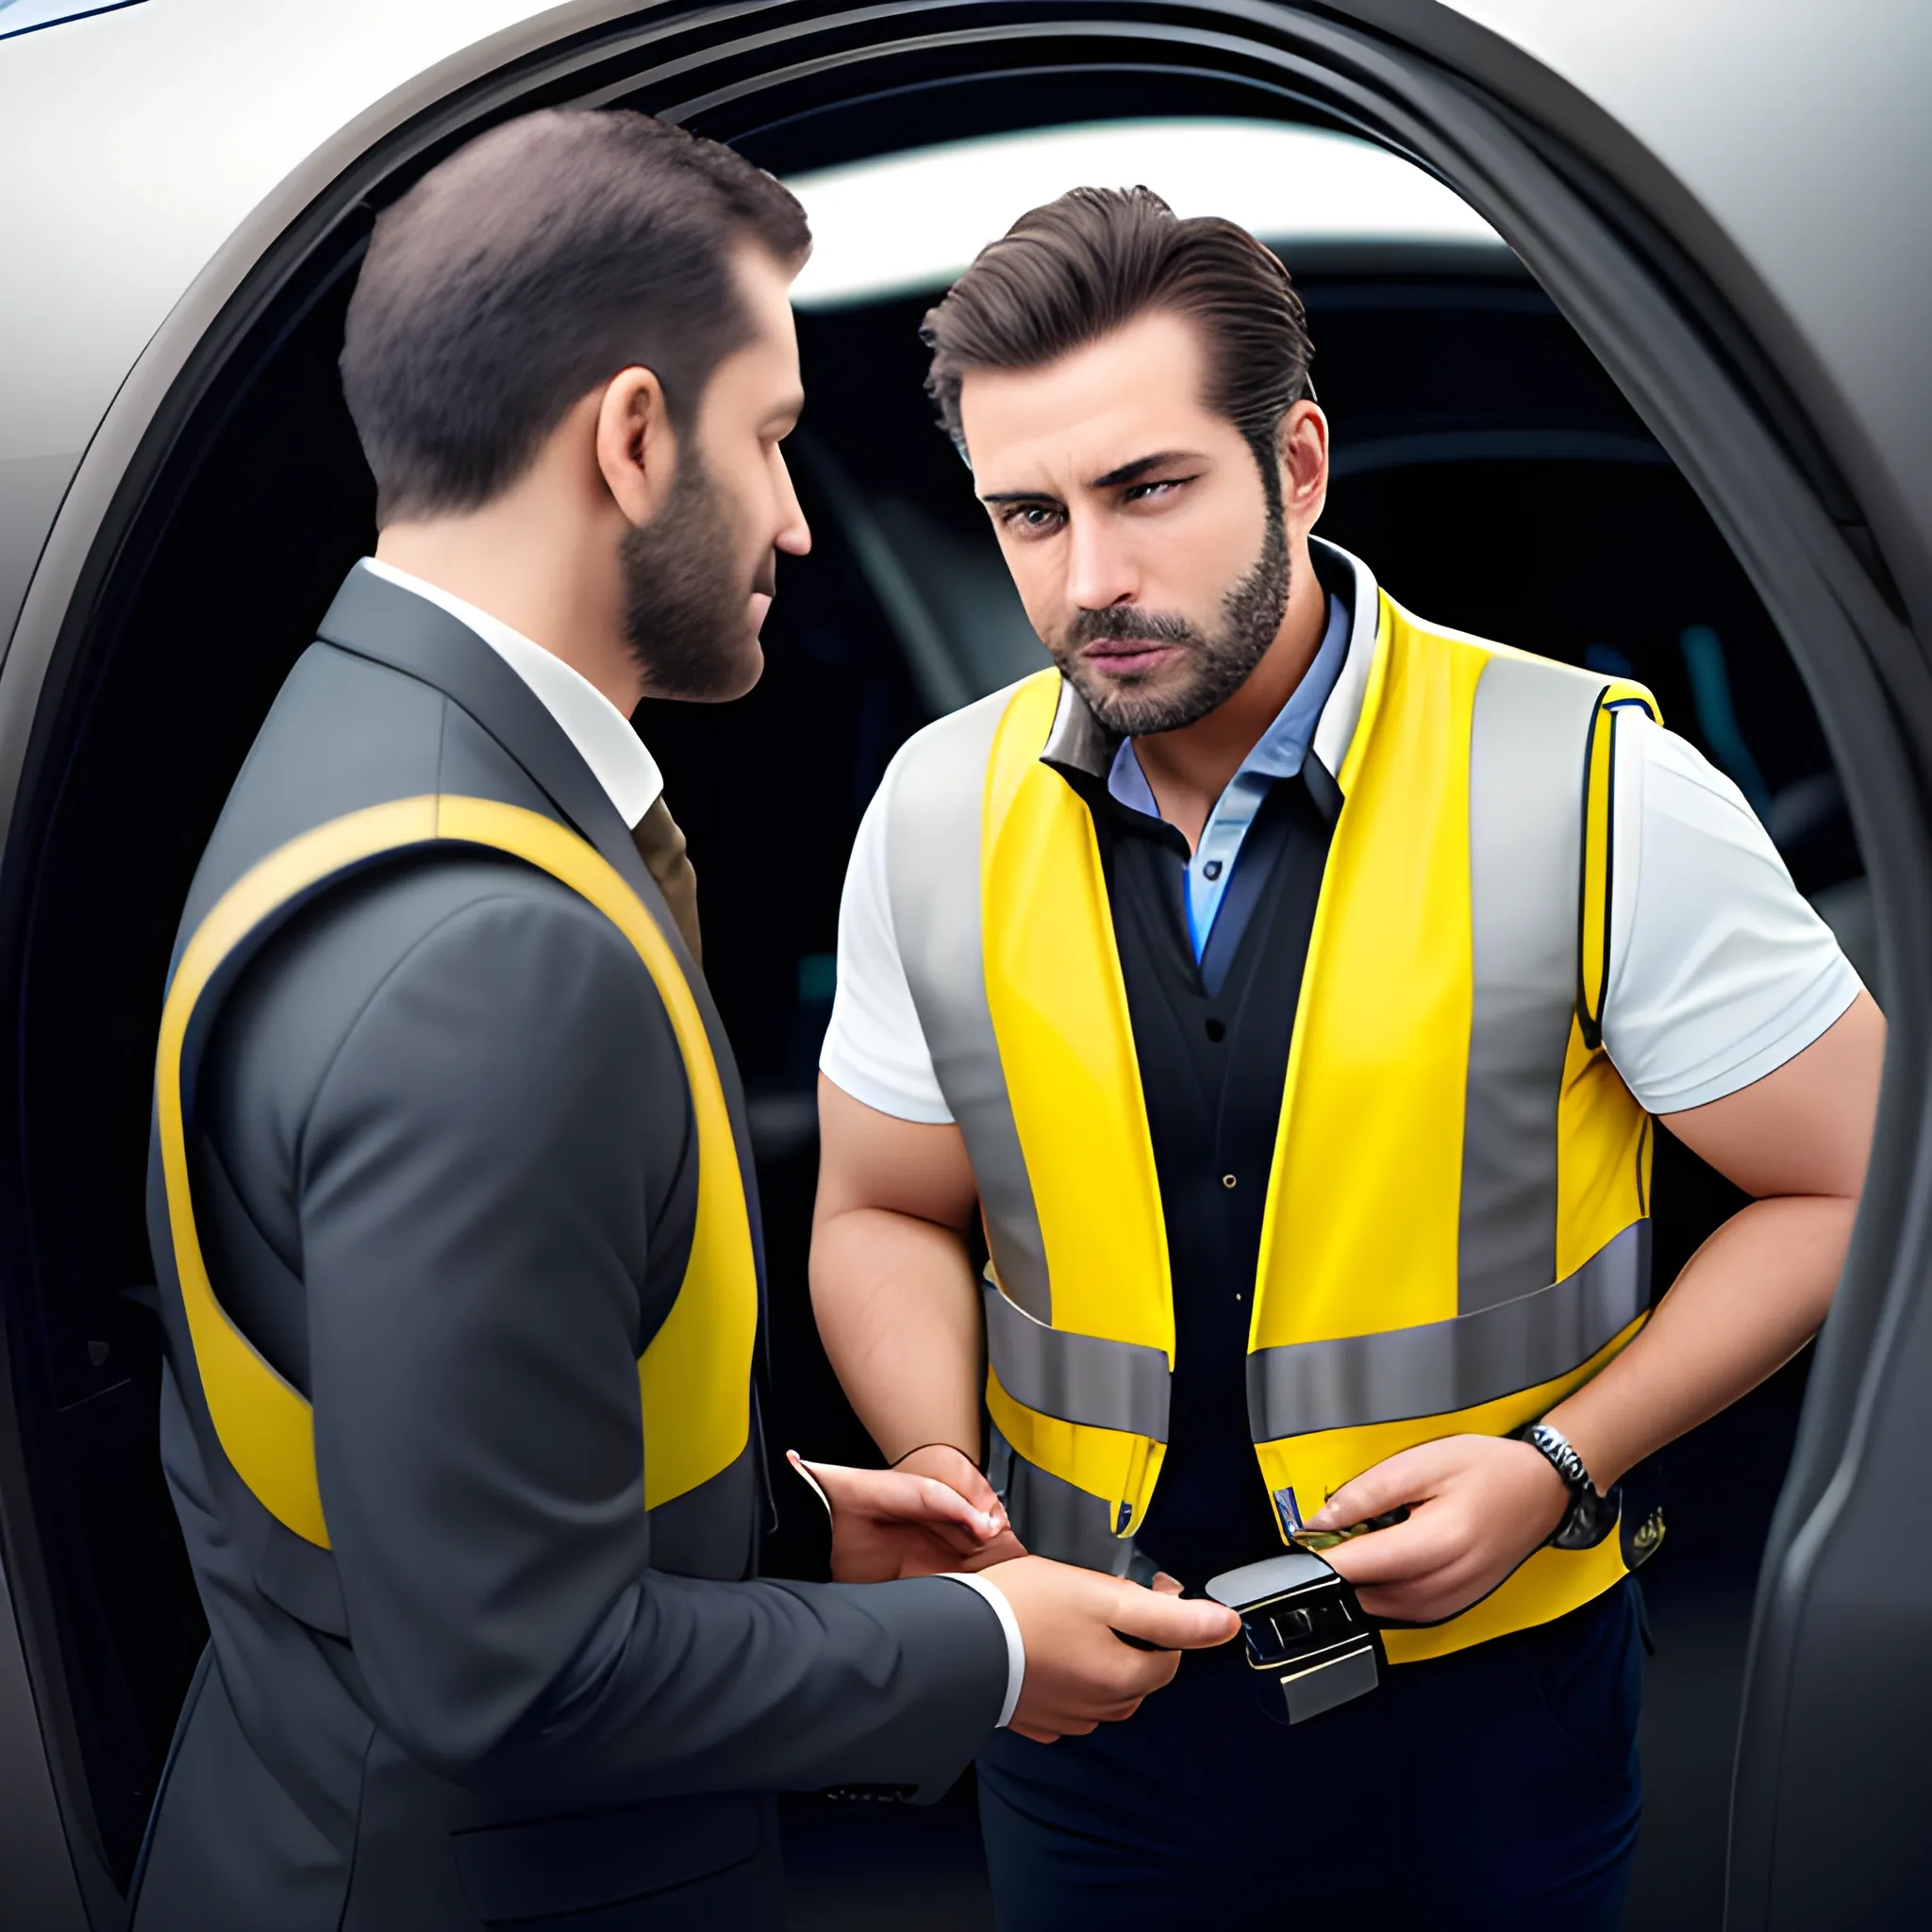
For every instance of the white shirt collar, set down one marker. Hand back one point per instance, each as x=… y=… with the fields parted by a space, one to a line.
x=1335 y=728
x=602 y=735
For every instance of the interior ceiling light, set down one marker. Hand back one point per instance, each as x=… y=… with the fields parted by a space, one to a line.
x=914 y=221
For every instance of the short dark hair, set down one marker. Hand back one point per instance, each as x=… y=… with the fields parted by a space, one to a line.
x=1098 y=258
x=533 y=265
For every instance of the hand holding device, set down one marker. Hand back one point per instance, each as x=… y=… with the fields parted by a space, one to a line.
x=1084 y=1634
x=1478 y=1506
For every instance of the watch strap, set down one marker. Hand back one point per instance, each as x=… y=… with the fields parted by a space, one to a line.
x=1592 y=1514
x=1556 y=1449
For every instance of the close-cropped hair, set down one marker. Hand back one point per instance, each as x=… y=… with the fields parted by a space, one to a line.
x=1081 y=267
x=530 y=267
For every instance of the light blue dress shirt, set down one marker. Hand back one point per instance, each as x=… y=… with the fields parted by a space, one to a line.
x=1277 y=754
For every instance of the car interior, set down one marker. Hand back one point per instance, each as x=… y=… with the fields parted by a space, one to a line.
x=1487 y=468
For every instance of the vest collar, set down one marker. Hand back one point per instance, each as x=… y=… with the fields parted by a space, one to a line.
x=1078 y=741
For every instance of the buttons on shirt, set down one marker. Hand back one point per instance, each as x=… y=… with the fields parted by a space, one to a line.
x=1217 y=1031
x=1211 y=870
x=1227 y=1180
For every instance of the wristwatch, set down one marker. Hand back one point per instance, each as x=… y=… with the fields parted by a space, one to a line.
x=1591 y=1515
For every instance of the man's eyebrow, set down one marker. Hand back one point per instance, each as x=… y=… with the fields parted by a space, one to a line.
x=1127 y=473
x=1132 y=473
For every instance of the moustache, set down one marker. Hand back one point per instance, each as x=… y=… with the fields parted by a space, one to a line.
x=1125 y=621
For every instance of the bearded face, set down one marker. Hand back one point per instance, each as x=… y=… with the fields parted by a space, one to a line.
x=1200 y=669
x=687 y=591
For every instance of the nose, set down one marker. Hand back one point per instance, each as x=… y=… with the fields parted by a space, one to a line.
x=1099 y=569
x=794 y=534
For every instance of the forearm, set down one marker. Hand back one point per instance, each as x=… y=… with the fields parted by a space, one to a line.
x=1746 y=1302
x=899 y=1312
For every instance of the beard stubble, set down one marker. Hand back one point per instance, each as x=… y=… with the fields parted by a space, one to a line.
x=1221 y=661
x=685 y=598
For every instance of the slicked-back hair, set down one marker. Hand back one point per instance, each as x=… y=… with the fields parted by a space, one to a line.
x=1097 y=259
x=532 y=266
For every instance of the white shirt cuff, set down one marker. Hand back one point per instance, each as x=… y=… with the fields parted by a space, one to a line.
x=1016 y=1648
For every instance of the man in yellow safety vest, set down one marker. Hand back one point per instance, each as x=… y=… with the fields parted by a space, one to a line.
x=1231 y=973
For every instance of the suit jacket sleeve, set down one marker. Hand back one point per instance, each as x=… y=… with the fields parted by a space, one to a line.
x=478 y=1180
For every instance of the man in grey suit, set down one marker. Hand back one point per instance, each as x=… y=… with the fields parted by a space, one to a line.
x=450 y=1191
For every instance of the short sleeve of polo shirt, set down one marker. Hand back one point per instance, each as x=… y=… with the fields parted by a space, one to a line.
x=874 y=1047
x=1720 y=969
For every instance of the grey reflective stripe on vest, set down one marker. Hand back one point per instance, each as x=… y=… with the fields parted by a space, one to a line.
x=1079 y=1379
x=1438 y=1367
x=1529 y=753
x=933 y=888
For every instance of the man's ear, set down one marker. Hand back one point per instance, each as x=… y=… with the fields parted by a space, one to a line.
x=1304 y=463
x=637 y=447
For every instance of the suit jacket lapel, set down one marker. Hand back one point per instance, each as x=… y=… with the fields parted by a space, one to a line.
x=390 y=625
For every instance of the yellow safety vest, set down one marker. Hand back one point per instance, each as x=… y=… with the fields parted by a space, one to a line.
x=1457 y=1231
x=694 y=1377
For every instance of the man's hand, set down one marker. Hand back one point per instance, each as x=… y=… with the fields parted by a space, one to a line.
x=1078 y=1671
x=1477 y=1507
x=892 y=1522
x=957 y=1471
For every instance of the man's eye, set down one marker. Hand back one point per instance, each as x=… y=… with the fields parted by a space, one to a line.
x=1031 y=519
x=1147 y=492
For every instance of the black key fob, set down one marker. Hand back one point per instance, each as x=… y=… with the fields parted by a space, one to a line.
x=1309 y=1647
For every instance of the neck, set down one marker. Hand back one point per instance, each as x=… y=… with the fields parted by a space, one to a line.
x=1189 y=768
x=555 y=581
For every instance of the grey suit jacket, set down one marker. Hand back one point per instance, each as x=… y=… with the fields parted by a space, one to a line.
x=445 y=1167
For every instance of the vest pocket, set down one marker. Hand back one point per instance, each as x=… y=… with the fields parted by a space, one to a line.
x=591 y=1858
